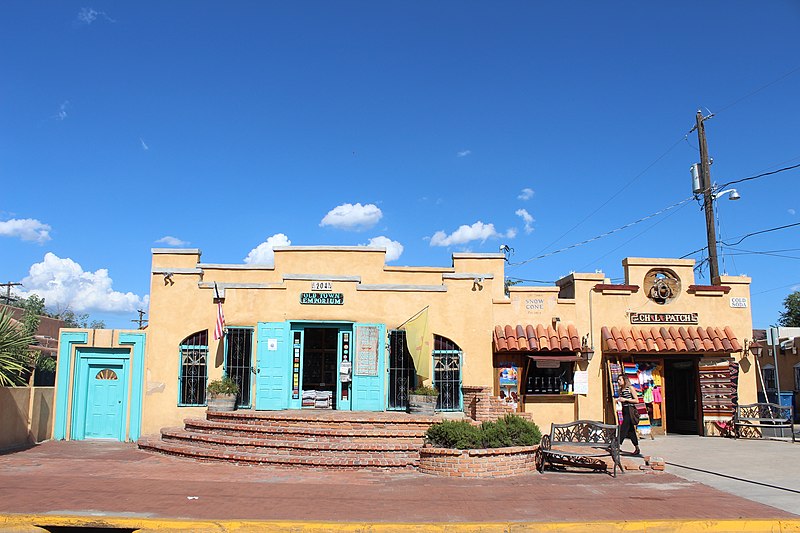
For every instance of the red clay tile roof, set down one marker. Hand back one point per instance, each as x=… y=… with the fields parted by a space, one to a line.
x=538 y=338
x=669 y=339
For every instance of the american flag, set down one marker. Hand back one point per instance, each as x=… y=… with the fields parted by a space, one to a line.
x=219 y=331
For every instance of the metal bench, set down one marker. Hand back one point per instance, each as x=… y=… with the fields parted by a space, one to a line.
x=580 y=444
x=761 y=416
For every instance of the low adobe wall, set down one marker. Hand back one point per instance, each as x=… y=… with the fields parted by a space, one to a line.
x=26 y=416
x=481 y=406
x=495 y=462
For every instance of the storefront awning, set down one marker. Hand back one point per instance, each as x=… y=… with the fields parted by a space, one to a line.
x=530 y=338
x=669 y=339
x=561 y=357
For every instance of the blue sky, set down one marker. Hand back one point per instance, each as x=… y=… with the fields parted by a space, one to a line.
x=428 y=127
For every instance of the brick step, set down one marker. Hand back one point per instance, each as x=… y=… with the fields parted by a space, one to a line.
x=223 y=453
x=325 y=419
x=274 y=443
x=302 y=431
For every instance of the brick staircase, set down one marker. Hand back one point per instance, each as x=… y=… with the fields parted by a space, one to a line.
x=312 y=438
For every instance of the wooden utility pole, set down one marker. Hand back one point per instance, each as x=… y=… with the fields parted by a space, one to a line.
x=141 y=320
x=708 y=197
x=8 y=289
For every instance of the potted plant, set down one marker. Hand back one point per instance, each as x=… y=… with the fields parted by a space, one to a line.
x=422 y=400
x=222 y=394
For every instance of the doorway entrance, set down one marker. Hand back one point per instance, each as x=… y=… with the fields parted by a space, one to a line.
x=680 y=381
x=320 y=358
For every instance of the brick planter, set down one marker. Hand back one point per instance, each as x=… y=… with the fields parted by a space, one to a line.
x=495 y=462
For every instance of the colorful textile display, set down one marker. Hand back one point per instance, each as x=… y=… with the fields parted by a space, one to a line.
x=632 y=371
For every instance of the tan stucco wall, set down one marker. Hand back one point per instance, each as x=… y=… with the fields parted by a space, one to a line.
x=182 y=303
x=26 y=415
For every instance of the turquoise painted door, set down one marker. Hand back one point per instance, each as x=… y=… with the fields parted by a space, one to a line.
x=100 y=400
x=368 y=367
x=273 y=367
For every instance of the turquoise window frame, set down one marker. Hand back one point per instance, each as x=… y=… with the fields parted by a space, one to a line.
x=181 y=348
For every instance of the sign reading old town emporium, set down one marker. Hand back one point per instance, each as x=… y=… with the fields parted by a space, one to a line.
x=322 y=298
x=664 y=318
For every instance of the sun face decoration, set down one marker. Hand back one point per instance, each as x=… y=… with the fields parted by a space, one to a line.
x=662 y=286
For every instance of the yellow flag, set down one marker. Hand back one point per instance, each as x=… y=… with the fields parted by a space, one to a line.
x=419 y=344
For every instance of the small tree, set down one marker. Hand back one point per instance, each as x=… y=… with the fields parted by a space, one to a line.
x=790 y=317
x=14 y=342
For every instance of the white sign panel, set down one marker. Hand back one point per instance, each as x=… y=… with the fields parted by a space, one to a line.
x=580 y=382
x=740 y=302
x=272 y=344
x=321 y=286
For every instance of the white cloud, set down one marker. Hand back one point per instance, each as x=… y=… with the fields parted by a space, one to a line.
x=144 y=145
x=62 y=110
x=464 y=234
x=511 y=233
x=525 y=194
x=27 y=229
x=527 y=218
x=263 y=254
x=352 y=217
x=87 y=15
x=64 y=285
x=792 y=211
x=393 y=248
x=463 y=153
x=171 y=241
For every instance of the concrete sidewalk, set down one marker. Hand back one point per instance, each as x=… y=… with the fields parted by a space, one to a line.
x=765 y=471
x=116 y=481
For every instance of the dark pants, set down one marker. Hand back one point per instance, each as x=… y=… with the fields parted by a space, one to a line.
x=628 y=427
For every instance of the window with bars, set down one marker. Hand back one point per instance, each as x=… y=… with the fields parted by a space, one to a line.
x=797 y=377
x=194 y=369
x=239 y=361
x=447 y=360
x=769 y=378
x=402 y=375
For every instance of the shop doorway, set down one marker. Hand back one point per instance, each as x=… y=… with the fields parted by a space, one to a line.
x=680 y=382
x=320 y=357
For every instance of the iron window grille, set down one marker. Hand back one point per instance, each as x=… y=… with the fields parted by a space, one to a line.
x=239 y=361
x=402 y=374
x=194 y=370
x=447 y=361
x=769 y=379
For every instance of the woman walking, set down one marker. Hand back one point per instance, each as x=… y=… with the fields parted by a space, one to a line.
x=629 y=398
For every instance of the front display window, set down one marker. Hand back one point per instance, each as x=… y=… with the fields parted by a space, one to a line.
x=549 y=377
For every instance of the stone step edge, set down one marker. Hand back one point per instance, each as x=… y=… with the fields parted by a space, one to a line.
x=394 y=418
x=364 y=432
x=228 y=440
x=295 y=460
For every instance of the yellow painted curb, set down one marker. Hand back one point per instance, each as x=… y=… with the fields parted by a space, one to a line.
x=20 y=523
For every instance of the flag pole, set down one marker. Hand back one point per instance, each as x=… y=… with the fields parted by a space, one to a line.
x=415 y=315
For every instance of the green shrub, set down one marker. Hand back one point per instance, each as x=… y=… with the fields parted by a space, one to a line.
x=454 y=434
x=425 y=390
x=510 y=430
x=223 y=386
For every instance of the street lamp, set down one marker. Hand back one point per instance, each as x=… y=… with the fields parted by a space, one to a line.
x=733 y=194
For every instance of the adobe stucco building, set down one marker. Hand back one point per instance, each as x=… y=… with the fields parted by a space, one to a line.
x=289 y=328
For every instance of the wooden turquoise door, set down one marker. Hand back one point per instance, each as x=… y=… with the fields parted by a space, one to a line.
x=368 y=367
x=273 y=367
x=101 y=400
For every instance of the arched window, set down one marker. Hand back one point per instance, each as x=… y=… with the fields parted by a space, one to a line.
x=194 y=369
x=447 y=360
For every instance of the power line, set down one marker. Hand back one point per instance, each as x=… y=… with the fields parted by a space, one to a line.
x=748 y=95
x=639 y=175
x=743 y=238
x=606 y=234
x=760 y=232
x=777 y=288
x=758 y=176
